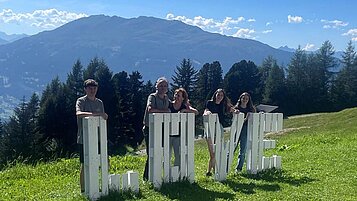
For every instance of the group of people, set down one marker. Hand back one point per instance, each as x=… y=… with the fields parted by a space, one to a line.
x=159 y=102
x=221 y=104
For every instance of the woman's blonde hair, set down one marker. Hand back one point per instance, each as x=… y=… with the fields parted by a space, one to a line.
x=161 y=79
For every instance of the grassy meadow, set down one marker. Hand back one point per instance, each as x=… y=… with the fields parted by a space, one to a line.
x=319 y=162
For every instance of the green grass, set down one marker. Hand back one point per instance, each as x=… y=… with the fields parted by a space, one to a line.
x=319 y=162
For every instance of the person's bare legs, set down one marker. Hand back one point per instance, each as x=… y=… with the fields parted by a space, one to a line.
x=81 y=178
x=212 y=159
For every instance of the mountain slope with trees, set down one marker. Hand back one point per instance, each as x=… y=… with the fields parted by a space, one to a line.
x=149 y=45
x=46 y=126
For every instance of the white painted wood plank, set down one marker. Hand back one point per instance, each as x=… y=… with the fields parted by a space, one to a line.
x=183 y=147
x=168 y=120
x=190 y=147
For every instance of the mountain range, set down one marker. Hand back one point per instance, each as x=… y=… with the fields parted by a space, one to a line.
x=8 y=38
x=152 y=46
x=2 y=41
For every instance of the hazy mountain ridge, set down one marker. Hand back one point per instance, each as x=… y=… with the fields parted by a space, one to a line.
x=8 y=38
x=2 y=41
x=150 y=45
x=338 y=54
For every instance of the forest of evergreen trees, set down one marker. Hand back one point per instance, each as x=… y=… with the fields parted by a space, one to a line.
x=44 y=127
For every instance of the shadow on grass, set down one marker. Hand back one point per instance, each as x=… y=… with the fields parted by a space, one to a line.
x=119 y=196
x=274 y=175
x=185 y=191
x=249 y=188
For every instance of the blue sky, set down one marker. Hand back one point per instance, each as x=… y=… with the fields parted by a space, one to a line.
x=307 y=23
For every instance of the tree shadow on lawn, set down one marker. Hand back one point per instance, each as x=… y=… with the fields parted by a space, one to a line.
x=249 y=188
x=186 y=191
x=274 y=175
x=120 y=195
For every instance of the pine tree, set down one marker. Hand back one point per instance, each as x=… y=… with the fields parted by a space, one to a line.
x=297 y=83
x=215 y=79
x=320 y=75
x=148 y=88
x=2 y=132
x=137 y=96
x=344 y=93
x=242 y=77
x=22 y=137
x=185 y=76
x=90 y=72
x=75 y=81
x=103 y=76
x=73 y=89
x=3 y=142
x=56 y=115
x=349 y=55
x=275 y=90
x=123 y=109
x=209 y=79
x=264 y=71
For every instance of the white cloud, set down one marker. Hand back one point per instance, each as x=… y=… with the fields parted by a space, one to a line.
x=309 y=47
x=46 y=19
x=268 y=23
x=244 y=33
x=267 y=31
x=351 y=32
x=294 y=19
x=226 y=26
x=251 y=20
x=334 y=24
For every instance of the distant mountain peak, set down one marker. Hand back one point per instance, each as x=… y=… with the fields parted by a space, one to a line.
x=286 y=48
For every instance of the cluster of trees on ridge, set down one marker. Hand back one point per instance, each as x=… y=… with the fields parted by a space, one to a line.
x=45 y=127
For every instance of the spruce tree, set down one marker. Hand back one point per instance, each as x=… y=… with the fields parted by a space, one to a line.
x=264 y=71
x=21 y=141
x=297 y=83
x=242 y=77
x=137 y=96
x=73 y=89
x=275 y=90
x=320 y=73
x=185 y=76
x=209 y=79
x=344 y=93
x=123 y=109
x=56 y=115
x=92 y=68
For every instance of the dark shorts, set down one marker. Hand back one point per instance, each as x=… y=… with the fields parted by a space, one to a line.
x=81 y=153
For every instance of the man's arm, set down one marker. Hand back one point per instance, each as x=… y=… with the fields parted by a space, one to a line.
x=150 y=104
x=81 y=114
x=154 y=110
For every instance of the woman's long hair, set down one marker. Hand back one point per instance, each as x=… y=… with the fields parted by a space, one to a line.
x=249 y=104
x=226 y=101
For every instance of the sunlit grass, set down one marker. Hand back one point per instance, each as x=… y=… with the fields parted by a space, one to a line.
x=318 y=163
